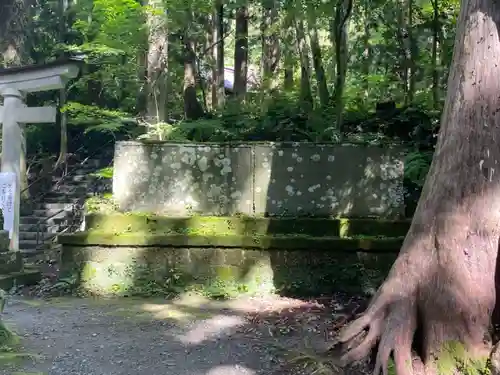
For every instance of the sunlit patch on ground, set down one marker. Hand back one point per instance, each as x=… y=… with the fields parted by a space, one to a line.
x=212 y=328
x=190 y=334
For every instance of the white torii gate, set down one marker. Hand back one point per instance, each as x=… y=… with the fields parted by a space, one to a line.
x=15 y=83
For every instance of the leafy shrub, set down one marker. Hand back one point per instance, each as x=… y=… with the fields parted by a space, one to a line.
x=417 y=166
x=101 y=204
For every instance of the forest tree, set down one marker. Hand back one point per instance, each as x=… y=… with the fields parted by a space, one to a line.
x=443 y=283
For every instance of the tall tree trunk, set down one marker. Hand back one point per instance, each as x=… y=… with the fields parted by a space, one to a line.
x=306 y=99
x=218 y=93
x=209 y=63
x=412 y=58
x=342 y=14
x=14 y=27
x=192 y=107
x=63 y=117
x=404 y=47
x=367 y=48
x=241 y=53
x=270 y=43
x=323 y=93
x=288 y=45
x=434 y=58
x=446 y=272
x=157 y=63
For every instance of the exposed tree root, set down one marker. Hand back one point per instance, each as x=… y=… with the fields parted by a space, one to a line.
x=391 y=320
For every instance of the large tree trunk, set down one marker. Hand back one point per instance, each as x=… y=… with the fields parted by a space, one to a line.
x=306 y=100
x=342 y=14
x=270 y=44
x=218 y=93
x=241 y=53
x=317 y=59
x=192 y=107
x=63 y=116
x=157 y=63
x=435 y=40
x=445 y=273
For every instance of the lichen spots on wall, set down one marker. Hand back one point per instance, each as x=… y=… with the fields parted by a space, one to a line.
x=257 y=179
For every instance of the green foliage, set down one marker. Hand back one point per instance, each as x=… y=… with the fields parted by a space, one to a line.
x=417 y=165
x=6 y=337
x=3 y=300
x=101 y=204
x=104 y=173
x=284 y=121
x=94 y=118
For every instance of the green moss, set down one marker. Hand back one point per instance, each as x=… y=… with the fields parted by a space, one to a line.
x=297 y=242
x=6 y=336
x=9 y=345
x=101 y=204
x=454 y=357
x=139 y=270
x=144 y=254
x=245 y=225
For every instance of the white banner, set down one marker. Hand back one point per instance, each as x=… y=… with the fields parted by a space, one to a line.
x=7 y=189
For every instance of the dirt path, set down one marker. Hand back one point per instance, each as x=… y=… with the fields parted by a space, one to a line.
x=188 y=336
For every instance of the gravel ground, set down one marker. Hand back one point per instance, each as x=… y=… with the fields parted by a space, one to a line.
x=187 y=336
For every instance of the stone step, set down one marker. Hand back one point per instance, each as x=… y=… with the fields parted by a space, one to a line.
x=85 y=169
x=55 y=213
x=70 y=195
x=32 y=236
x=65 y=188
x=43 y=227
x=61 y=198
x=71 y=178
x=54 y=206
x=33 y=220
x=29 y=246
x=10 y=261
x=28 y=276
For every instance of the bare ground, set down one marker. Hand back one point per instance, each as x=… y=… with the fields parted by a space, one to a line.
x=185 y=336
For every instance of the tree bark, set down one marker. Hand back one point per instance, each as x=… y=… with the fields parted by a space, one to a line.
x=306 y=100
x=367 y=48
x=218 y=93
x=342 y=14
x=157 y=63
x=443 y=282
x=192 y=107
x=241 y=53
x=317 y=59
x=434 y=62
x=63 y=117
x=288 y=45
x=270 y=43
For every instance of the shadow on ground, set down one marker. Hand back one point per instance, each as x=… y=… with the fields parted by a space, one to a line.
x=189 y=335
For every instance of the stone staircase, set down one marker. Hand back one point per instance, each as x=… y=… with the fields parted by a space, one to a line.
x=59 y=209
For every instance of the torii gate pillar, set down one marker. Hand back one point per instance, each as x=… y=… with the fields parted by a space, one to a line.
x=14 y=84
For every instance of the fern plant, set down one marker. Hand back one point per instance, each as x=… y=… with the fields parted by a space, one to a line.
x=417 y=166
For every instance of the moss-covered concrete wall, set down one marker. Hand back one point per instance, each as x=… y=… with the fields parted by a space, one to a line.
x=143 y=254
x=143 y=224
x=294 y=179
x=129 y=270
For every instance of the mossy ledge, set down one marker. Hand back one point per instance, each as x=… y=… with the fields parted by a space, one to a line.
x=246 y=225
x=139 y=254
x=98 y=238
